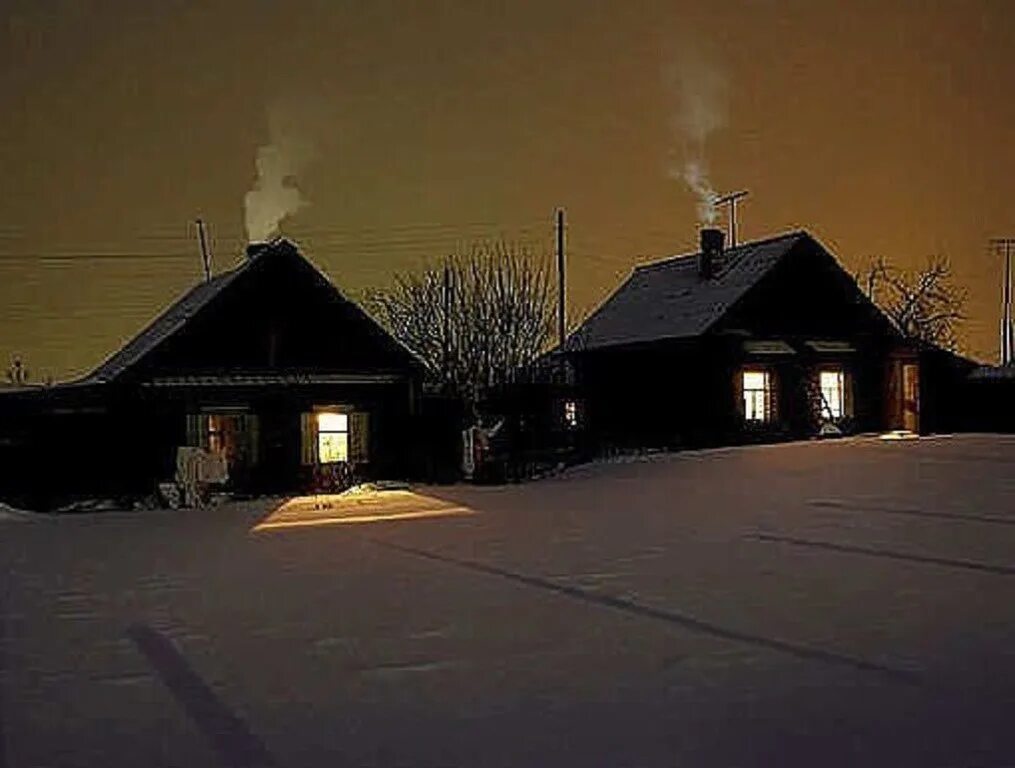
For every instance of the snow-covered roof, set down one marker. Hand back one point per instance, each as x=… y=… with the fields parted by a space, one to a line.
x=166 y=324
x=669 y=300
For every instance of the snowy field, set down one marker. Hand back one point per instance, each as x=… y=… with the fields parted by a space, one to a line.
x=846 y=603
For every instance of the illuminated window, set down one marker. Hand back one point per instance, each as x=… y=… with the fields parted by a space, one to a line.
x=332 y=437
x=757 y=395
x=571 y=413
x=218 y=427
x=832 y=394
x=230 y=434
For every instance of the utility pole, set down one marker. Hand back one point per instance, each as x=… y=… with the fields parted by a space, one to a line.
x=1006 y=244
x=447 y=323
x=561 y=294
x=205 y=256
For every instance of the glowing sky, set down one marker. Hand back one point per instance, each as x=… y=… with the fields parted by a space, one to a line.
x=883 y=128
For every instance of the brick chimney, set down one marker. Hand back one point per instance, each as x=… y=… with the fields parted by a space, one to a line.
x=711 y=250
x=255 y=248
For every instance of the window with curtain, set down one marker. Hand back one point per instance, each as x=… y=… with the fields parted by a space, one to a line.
x=332 y=434
x=229 y=433
x=833 y=393
x=757 y=389
x=332 y=437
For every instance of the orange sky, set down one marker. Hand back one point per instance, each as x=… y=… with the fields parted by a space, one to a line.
x=883 y=128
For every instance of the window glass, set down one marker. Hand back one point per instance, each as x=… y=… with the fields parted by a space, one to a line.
x=757 y=386
x=832 y=394
x=332 y=437
x=571 y=413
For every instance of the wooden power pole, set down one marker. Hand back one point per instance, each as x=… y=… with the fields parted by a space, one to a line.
x=561 y=293
x=446 y=331
x=1004 y=245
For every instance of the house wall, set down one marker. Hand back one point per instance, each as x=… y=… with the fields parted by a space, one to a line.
x=668 y=394
x=122 y=441
x=672 y=394
x=392 y=426
x=990 y=404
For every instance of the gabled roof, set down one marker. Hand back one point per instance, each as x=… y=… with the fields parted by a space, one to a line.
x=194 y=301
x=669 y=300
x=164 y=326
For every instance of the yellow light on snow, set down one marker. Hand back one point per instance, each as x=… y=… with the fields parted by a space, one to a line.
x=352 y=508
x=899 y=434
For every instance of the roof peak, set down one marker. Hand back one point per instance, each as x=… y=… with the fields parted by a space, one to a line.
x=742 y=246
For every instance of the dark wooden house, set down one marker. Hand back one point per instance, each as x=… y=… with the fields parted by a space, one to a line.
x=990 y=394
x=267 y=364
x=769 y=340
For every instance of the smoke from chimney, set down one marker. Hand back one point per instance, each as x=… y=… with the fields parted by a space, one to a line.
x=274 y=195
x=699 y=90
x=696 y=176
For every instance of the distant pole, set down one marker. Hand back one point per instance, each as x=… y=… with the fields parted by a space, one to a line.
x=1007 y=321
x=561 y=294
x=1009 y=342
x=205 y=256
x=447 y=323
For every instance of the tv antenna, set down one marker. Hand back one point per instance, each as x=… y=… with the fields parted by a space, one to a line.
x=731 y=200
x=205 y=253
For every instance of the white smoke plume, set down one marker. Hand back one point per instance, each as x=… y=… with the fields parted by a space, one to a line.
x=696 y=175
x=699 y=91
x=275 y=195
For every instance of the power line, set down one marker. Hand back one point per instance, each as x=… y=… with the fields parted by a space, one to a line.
x=44 y=256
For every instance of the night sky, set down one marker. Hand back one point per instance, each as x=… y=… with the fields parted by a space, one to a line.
x=884 y=128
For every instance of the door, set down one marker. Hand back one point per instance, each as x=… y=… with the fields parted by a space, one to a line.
x=911 y=397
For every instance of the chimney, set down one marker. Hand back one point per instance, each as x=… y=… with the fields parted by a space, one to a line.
x=255 y=248
x=711 y=250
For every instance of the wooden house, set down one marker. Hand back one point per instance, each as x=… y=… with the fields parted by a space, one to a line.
x=768 y=340
x=267 y=364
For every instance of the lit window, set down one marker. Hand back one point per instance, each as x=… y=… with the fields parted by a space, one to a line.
x=832 y=394
x=571 y=413
x=217 y=428
x=757 y=395
x=230 y=435
x=332 y=437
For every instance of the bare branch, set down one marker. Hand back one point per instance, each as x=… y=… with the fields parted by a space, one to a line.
x=923 y=304
x=500 y=319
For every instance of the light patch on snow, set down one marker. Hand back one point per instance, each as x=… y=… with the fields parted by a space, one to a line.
x=364 y=506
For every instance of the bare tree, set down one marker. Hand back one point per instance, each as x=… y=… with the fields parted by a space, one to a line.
x=924 y=303
x=476 y=320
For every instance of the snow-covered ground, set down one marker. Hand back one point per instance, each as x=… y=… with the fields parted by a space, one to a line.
x=839 y=603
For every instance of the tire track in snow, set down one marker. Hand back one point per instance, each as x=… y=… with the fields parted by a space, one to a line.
x=863 y=507
x=890 y=554
x=684 y=621
x=235 y=744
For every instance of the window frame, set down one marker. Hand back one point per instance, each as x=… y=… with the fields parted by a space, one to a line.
x=767 y=392
x=324 y=433
x=827 y=410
